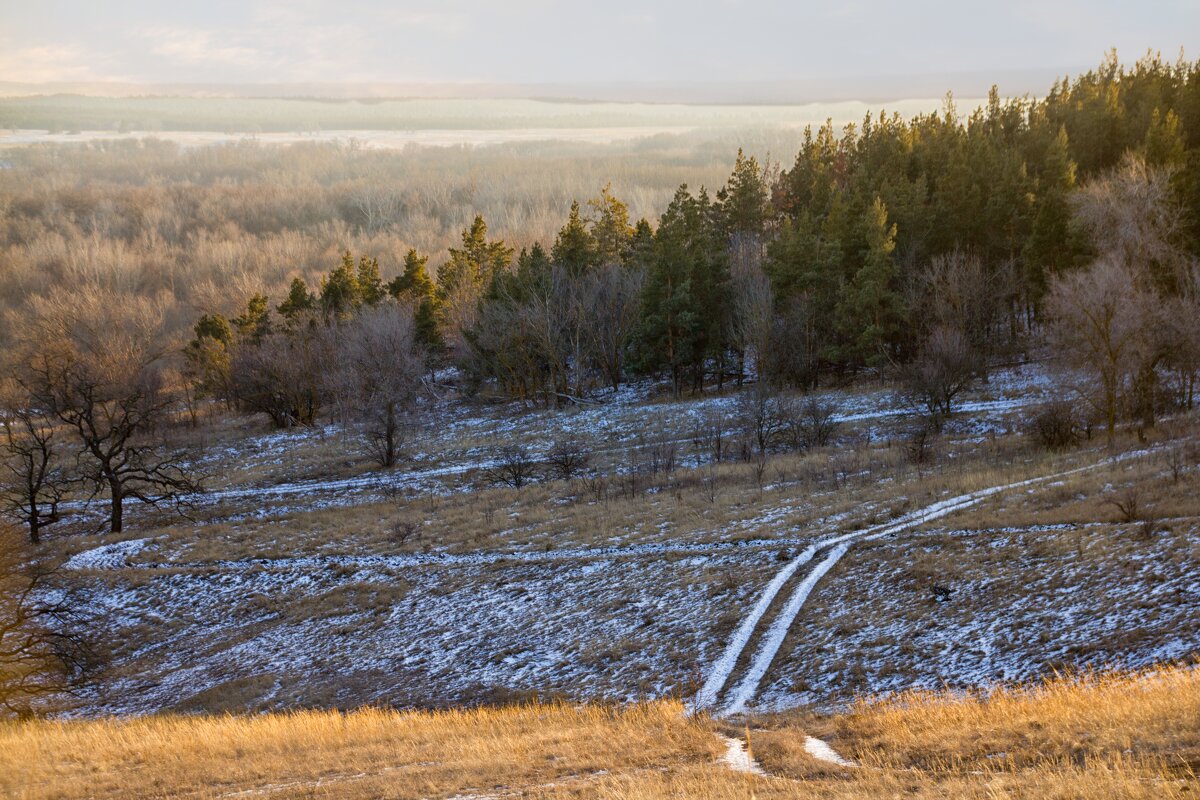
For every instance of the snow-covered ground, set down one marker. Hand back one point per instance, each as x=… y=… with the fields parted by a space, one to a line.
x=453 y=452
x=1024 y=601
x=775 y=601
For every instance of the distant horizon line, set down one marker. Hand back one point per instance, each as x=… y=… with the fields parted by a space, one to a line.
x=849 y=88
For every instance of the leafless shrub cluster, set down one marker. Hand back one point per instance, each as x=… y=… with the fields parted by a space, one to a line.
x=568 y=458
x=513 y=466
x=1056 y=425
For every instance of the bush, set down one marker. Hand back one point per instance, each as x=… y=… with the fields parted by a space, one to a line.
x=568 y=458
x=1056 y=425
x=513 y=467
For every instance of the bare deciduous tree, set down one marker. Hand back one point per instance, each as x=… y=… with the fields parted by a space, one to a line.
x=97 y=366
x=1132 y=216
x=1104 y=325
x=761 y=414
x=754 y=320
x=811 y=423
x=282 y=376
x=945 y=366
x=957 y=291
x=32 y=475
x=377 y=377
x=513 y=466
x=568 y=458
x=376 y=207
x=40 y=648
x=611 y=302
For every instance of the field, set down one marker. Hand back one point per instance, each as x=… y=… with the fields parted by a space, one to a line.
x=307 y=578
x=1095 y=736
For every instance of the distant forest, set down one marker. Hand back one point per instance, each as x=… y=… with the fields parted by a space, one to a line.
x=928 y=249
x=71 y=113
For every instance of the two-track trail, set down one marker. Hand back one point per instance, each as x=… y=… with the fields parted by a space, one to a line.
x=724 y=691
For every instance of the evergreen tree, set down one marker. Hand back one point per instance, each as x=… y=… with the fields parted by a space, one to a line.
x=641 y=245
x=299 y=301
x=209 y=356
x=340 y=296
x=1053 y=245
x=413 y=283
x=532 y=275
x=475 y=263
x=871 y=311
x=1164 y=145
x=610 y=227
x=254 y=323
x=743 y=199
x=369 y=283
x=685 y=295
x=414 y=286
x=574 y=247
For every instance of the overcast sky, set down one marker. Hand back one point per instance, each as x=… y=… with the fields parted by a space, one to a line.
x=537 y=41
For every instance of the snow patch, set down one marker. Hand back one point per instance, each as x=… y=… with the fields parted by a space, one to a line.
x=107 y=556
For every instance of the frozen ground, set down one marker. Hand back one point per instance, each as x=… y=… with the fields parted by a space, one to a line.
x=636 y=614
x=454 y=453
x=1024 y=601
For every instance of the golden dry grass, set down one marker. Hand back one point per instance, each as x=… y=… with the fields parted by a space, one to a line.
x=1084 y=738
x=1092 y=736
x=366 y=753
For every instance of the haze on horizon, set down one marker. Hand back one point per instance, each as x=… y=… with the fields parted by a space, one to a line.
x=806 y=50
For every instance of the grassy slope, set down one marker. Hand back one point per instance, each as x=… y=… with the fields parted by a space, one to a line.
x=1112 y=736
x=197 y=633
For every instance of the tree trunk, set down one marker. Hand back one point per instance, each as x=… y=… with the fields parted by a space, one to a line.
x=117 y=505
x=389 y=453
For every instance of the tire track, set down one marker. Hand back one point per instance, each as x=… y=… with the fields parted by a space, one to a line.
x=771 y=640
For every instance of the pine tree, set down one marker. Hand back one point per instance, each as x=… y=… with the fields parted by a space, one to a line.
x=711 y=288
x=299 y=301
x=414 y=286
x=685 y=295
x=871 y=311
x=574 y=248
x=532 y=275
x=370 y=285
x=1054 y=245
x=209 y=356
x=610 y=228
x=1164 y=145
x=414 y=282
x=254 y=323
x=744 y=197
x=641 y=245
x=340 y=295
x=475 y=263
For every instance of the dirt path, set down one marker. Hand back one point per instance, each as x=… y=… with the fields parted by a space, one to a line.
x=831 y=550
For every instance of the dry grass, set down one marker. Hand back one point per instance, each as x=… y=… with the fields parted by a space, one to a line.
x=367 y=753
x=1098 y=719
x=1099 y=736
x=1095 y=736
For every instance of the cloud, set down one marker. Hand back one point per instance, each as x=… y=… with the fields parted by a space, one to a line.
x=202 y=47
x=50 y=63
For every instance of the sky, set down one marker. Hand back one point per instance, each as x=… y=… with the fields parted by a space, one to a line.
x=538 y=41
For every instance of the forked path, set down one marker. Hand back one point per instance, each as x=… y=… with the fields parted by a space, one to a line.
x=727 y=696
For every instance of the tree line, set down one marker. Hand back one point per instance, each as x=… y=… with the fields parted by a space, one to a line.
x=926 y=250
x=932 y=244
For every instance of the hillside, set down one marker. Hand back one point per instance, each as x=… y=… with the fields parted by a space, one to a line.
x=303 y=580
x=1122 y=735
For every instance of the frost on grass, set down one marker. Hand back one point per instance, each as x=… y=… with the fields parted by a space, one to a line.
x=106 y=556
x=1025 y=603
x=345 y=635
